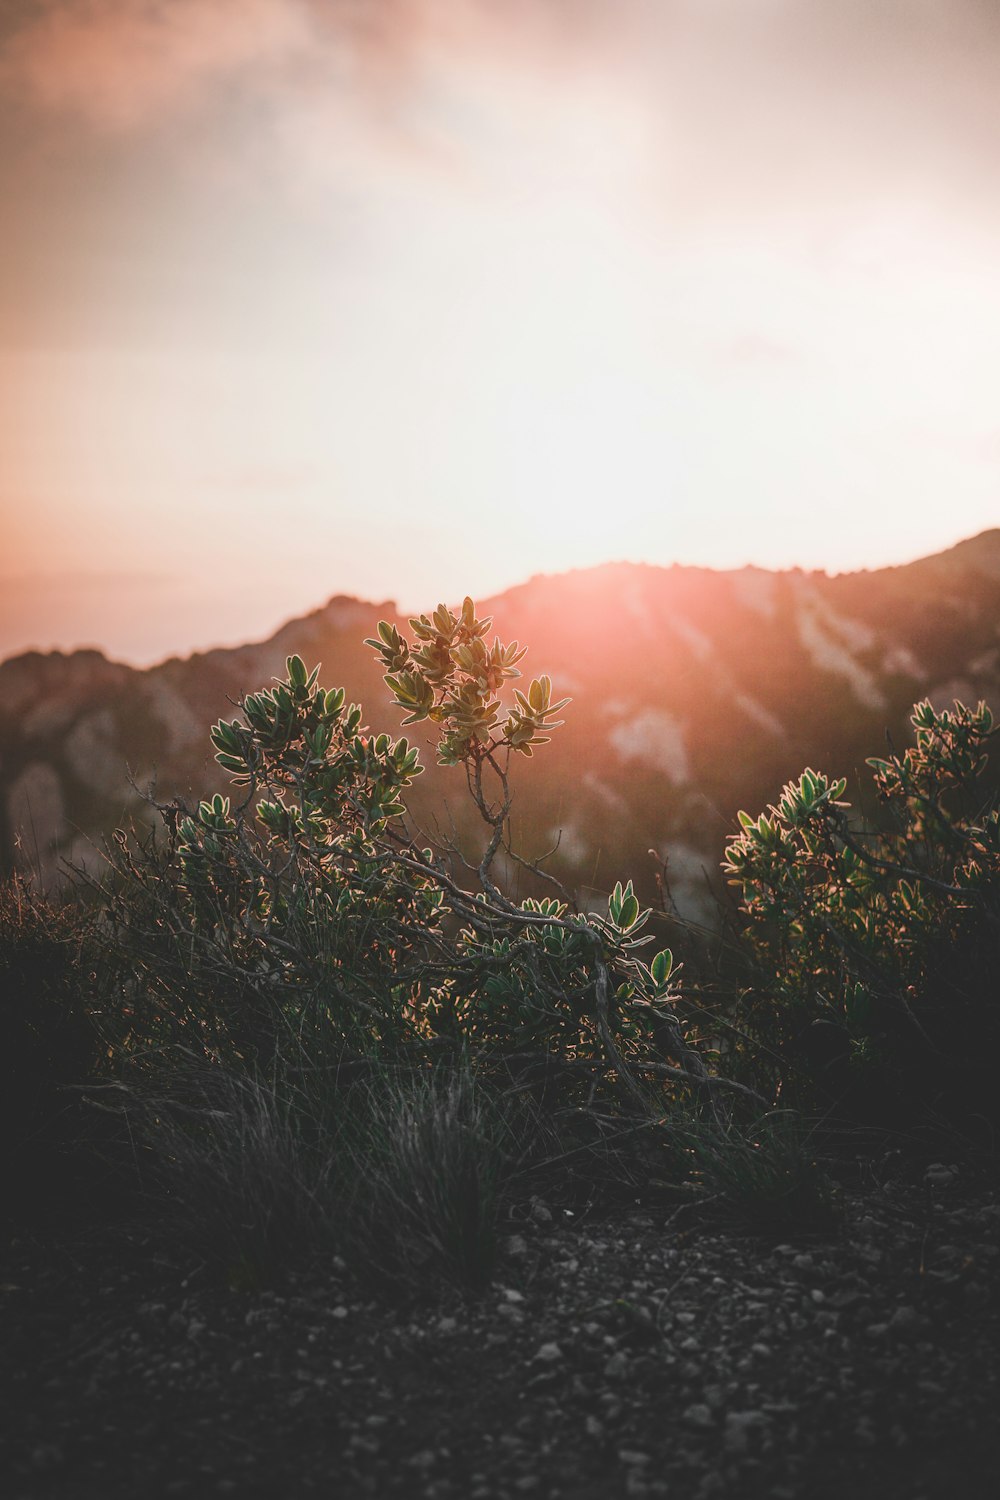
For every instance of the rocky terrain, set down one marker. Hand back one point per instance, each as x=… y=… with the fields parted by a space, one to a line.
x=694 y=693
x=653 y=1353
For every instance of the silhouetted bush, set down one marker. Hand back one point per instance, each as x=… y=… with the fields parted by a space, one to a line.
x=877 y=953
x=329 y=1034
x=307 y=919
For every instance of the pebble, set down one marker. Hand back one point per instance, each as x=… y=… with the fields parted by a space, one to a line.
x=698 y=1415
x=905 y=1320
x=549 y=1354
x=739 y=1425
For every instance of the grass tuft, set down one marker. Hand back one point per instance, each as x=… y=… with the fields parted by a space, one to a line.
x=765 y=1178
x=429 y=1156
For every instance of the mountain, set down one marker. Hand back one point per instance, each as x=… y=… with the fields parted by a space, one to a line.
x=695 y=693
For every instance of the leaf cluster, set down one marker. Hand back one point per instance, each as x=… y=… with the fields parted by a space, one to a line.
x=309 y=907
x=449 y=675
x=881 y=933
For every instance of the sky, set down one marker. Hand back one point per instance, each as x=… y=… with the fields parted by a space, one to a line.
x=411 y=299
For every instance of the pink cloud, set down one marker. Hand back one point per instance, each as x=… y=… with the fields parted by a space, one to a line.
x=123 y=63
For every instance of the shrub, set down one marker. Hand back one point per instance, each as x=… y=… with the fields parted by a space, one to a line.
x=306 y=918
x=877 y=952
x=353 y=1030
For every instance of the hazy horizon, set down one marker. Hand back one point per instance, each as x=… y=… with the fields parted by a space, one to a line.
x=11 y=607
x=424 y=297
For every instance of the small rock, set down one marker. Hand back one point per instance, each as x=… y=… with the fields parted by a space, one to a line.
x=447 y=1325
x=698 y=1415
x=739 y=1425
x=549 y=1354
x=939 y=1175
x=632 y=1457
x=617 y=1366
x=540 y=1214
x=595 y=1427
x=510 y=1294
x=905 y=1320
x=517 y=1246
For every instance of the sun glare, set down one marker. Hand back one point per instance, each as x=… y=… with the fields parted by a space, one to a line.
x=492 y=307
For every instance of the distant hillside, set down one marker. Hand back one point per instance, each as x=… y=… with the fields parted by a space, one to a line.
x=694 y=693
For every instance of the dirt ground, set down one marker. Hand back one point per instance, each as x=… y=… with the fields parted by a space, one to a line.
x=646 y=1353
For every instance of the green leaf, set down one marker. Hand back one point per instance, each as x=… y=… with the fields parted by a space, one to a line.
x=629 y=913
x=661 y=966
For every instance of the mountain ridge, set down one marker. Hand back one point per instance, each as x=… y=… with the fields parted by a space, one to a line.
x=696 y=691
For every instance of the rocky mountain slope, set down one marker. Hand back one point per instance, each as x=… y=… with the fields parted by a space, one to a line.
x=694 y=693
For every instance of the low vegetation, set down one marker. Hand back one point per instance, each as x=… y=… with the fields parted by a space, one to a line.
x=312 y=1026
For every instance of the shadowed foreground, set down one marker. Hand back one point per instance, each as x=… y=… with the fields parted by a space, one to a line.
x=644 y=1355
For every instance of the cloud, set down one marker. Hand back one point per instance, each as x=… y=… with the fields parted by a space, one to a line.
x=749 y=101
x=119 y=64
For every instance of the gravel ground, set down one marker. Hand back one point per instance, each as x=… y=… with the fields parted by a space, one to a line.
x=642 y=1355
